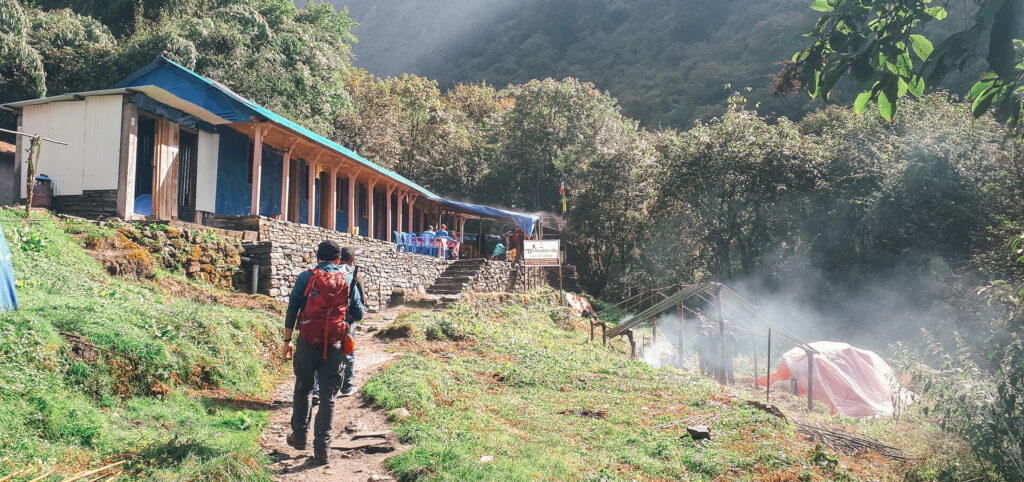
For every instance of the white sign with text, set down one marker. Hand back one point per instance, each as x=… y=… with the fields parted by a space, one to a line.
x=541 y=252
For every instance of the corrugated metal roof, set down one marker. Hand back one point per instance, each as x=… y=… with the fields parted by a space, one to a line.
x=171 y=83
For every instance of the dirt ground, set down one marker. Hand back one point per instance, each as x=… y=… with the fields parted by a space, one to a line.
x=354 y=417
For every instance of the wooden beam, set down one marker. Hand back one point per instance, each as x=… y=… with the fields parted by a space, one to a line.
x=352 y=207
x=332 y=215
x=399 y=211
x=257 y=161
x=311 y=189
x=390 y=190
x=369 y=206
x=412 y=200
x=286 y=179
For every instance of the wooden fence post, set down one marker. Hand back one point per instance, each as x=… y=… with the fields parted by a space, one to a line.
x=720 y=372
x=768 y=370
x=810 y=381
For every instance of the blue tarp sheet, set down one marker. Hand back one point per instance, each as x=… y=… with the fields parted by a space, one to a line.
x=234 y=193
x=222 y=102
x=270 y=181
x=361 y=220
x=524 y=221
x=8 y=295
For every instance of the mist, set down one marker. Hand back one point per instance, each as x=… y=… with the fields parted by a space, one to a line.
x=422 y=31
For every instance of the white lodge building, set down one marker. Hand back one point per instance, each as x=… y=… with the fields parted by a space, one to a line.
x=166 y=143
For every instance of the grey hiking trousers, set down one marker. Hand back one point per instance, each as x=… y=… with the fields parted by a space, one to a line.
x=308 y=360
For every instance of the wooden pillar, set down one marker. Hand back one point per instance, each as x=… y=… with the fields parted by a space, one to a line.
x=412 y=201
x=390 y=190
x=462 y=228
x=810 y=381
x=352 y=207
x=399 y=211
x=332 y=212
x=721 y=371
x=311 y=190
x=286 y=171
x=257 y=161
x=369 y=207
x=682 y=336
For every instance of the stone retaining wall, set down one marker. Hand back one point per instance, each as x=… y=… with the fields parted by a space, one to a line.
x=508 y=277
x=284 y=249
x=97 y=204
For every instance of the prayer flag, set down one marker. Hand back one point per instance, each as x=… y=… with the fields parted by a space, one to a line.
x=561 y=192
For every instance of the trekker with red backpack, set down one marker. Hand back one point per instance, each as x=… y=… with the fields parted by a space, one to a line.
x=319 y=302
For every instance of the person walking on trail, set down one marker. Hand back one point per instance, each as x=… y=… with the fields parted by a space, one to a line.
x=354 y=314
x=319 y=302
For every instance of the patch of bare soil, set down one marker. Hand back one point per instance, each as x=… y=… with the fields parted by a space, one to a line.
x=362 y=436
x=182 y=289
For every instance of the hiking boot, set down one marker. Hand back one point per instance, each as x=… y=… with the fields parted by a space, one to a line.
x=295 y=442
x=351 y=391
x=320 y=459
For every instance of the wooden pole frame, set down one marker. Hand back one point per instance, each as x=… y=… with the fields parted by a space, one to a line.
x=768 y=370
x=311 y=188
x=286 y=170
x=810 y=381
x=390 y=190
x=257 y=168
x=35 y=146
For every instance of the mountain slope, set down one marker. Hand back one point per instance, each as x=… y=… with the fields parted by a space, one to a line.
x=668 y=62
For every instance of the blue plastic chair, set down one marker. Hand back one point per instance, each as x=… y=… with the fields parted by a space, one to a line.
x=398 y=241
x=428 y=247
x=410 y=242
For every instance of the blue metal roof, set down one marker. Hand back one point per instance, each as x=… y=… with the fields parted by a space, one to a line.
x=223 y=102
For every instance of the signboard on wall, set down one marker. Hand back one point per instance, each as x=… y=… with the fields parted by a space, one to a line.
x=541 y=252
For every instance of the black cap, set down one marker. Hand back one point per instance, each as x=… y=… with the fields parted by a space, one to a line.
x=328 y=251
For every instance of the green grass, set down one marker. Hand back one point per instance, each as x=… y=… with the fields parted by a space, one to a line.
x=77 y=410
x=500 y=392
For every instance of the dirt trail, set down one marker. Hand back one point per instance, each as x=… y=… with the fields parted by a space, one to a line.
x=353 y=415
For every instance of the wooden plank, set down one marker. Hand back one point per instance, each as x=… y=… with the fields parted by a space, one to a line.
x=126 y=162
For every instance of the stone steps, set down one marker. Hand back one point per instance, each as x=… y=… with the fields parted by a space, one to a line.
x=456 y=277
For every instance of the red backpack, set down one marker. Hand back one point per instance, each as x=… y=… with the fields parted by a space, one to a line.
x=322 y=320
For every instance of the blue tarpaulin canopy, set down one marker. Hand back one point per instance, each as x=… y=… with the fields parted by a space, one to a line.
x=8 y=295
x=523 y=220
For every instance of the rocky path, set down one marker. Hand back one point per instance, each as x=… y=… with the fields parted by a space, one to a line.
x=362 y=437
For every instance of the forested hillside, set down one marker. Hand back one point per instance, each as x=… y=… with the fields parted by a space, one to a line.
x=666 y=61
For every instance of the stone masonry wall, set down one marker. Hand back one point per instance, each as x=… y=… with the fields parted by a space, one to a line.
x=284 y=249
x=507 y=277
x=99 y=204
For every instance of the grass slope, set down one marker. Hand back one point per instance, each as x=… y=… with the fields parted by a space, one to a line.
x=73 y=407
x=510 y=379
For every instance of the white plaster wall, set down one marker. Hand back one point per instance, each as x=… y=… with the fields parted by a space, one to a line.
x=206 y=172
x=92 y=130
